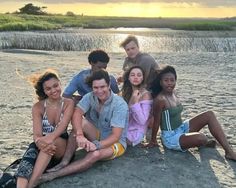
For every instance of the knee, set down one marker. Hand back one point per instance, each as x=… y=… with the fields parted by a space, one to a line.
x=201 y=139
x=210 y=114
x=95 y=155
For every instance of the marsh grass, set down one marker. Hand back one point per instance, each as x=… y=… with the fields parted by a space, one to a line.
x=23 y=22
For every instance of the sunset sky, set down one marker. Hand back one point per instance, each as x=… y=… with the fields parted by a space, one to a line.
x=134 y=8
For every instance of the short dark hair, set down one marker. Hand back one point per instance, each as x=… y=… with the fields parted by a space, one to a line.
x=128 y=40
x=98 y=75
x=98 y=55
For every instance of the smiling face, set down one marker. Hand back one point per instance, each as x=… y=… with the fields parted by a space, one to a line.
x=52 y=88
x=101 y=89
x=131 y=49
x=136 y=77
x=168 y=82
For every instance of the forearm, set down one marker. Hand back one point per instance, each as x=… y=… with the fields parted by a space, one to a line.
x=61 y=128
x=77 y=123
x=155 y=129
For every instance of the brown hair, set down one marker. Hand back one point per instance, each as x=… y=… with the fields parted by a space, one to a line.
x=38 y=80
x=127 y=86
x=128 y=40
x=98 y=75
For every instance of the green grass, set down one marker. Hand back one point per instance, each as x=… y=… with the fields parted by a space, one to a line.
x=23 y=22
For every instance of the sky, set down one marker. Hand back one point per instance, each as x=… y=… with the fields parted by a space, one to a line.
x=131 y=8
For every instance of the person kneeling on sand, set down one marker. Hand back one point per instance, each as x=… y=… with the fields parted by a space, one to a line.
x=102 y=132
x=175 y=133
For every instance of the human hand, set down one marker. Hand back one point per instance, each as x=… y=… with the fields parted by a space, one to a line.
x=135 y=97
x=50 y=149
x=90 y=147
x=40 y=143
x=119 y=80
x=43 y=141
x=46 y=140
x=82 y=142
x=150 y=144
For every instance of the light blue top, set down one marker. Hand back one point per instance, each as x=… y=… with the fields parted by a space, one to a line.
x=114 y=113
x=78 y=83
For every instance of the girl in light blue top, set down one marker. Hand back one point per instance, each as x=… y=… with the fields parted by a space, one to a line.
x=175 y=133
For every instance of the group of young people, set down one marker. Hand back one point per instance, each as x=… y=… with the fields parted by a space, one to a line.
x=105 y=120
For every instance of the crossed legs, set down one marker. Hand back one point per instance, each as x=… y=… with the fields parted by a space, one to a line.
x=64 y=168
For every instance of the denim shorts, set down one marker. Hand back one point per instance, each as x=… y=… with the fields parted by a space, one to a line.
x=170 y=139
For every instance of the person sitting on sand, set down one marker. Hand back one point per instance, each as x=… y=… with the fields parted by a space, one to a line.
x=98 y=59
x=135 y=57
x=140 y=104
x=99 y=125
x=51 y=116
x=175 y=133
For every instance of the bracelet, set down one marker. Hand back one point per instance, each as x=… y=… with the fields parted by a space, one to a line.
x=97 y=144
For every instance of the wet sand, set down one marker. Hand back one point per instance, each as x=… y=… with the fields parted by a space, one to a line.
x=206 y=81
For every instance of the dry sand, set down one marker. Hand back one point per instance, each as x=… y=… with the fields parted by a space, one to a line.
x=206 y=81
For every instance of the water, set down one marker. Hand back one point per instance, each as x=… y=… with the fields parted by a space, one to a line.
x=151 y=40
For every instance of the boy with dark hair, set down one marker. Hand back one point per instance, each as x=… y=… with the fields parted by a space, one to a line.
x=98 y=59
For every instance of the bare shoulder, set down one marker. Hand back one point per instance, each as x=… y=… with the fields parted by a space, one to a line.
x=68 y=101
x=38 y=106
x=159 y=101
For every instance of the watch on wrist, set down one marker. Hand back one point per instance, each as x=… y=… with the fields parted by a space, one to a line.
x=97 y=144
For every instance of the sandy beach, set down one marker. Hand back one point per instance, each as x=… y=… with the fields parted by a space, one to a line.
x=206 y=81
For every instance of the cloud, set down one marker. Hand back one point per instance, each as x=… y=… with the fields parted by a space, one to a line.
x=206 y=3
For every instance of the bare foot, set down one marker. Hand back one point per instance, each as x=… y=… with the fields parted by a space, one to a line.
x=61 y=165
x=211 y=144
x=231 y=156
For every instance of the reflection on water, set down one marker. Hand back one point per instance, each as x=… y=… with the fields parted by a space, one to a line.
x=151 y=40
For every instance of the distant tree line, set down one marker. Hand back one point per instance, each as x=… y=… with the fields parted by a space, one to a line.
x=36 y=10
x=32 y=9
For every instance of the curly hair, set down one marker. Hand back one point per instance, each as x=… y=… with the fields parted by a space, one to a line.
x=156 y=83
x=98 y=55
x=127 y=86
x=38 y=80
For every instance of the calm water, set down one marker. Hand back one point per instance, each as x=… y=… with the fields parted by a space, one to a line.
x=151 y=40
